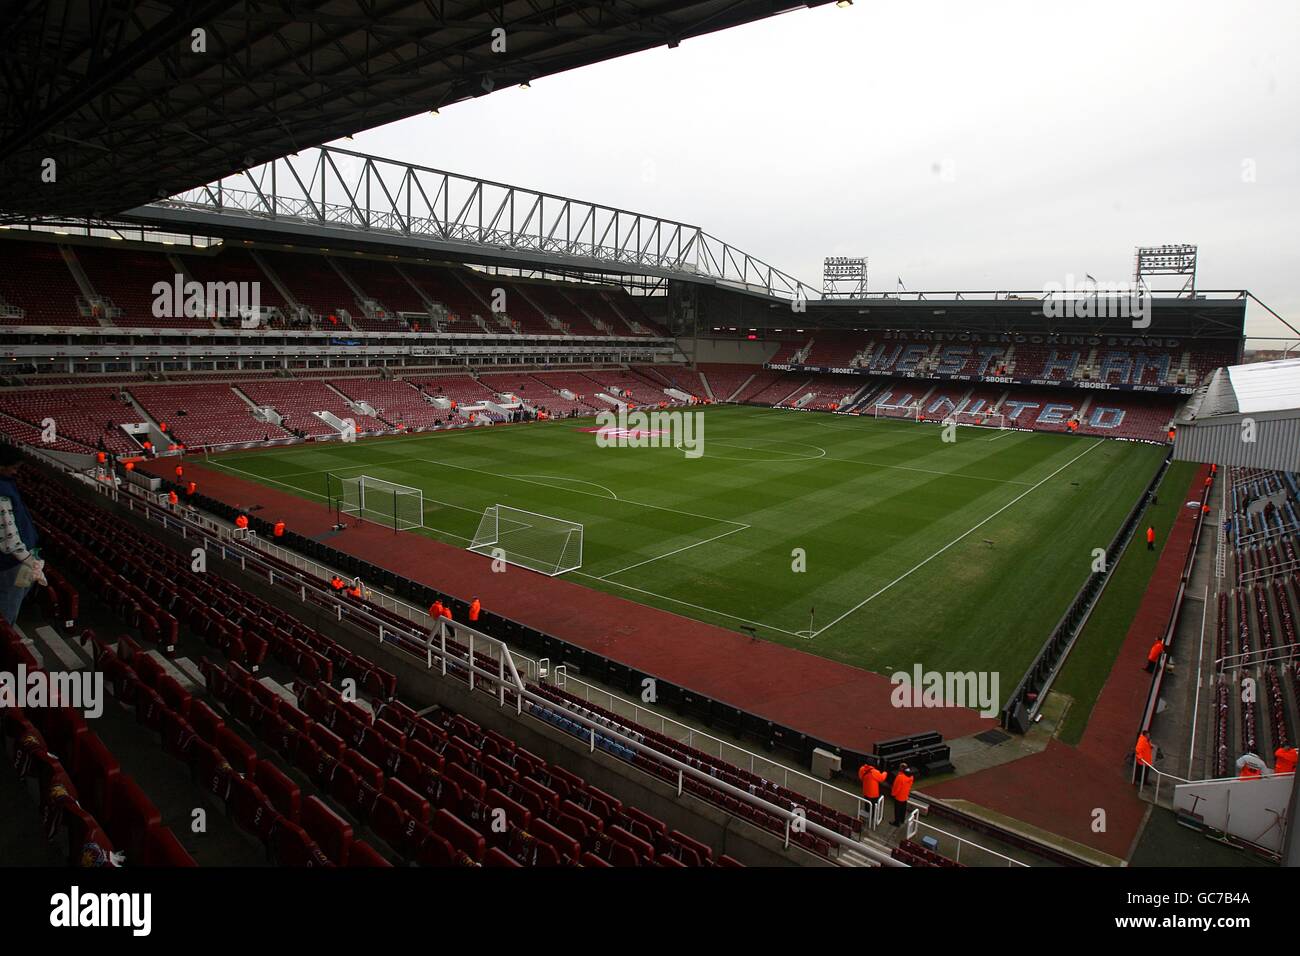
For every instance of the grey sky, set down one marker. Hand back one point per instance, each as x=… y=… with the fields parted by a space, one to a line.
x=959 y=145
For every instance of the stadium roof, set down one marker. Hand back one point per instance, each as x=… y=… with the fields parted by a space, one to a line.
x=117 y=94
x=1247 y=415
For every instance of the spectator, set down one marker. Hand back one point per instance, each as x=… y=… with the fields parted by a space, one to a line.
x=19 y=565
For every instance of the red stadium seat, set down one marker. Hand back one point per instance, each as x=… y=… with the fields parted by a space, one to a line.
x=283 y=793
x=161 y=848
x=363 y=854
x=331 y=832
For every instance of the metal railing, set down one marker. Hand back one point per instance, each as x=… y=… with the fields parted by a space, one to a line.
x=447 y=660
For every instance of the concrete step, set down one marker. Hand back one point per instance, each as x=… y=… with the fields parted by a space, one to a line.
x=68 y=655
x=279 y=689
x=170 y=668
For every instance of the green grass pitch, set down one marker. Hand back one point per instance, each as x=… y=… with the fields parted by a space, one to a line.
x=957 y=556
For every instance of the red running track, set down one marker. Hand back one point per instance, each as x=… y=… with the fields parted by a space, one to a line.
x=1060 y=788
x=833 y=702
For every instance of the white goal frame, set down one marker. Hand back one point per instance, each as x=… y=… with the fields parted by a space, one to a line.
x=561 y=537
x=978 y=419
x=387 y=503
x=911 y=413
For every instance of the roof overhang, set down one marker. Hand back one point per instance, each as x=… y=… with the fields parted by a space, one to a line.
x=136 y=100
x=1247 y=415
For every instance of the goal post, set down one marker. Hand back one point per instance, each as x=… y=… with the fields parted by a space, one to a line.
x=400 y=507
x=979 y=419
x=541 y=543
x=910 y=412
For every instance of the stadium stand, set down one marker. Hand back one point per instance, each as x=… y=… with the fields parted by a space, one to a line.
x=386 y=287
x=93 y=417
x=204 y=414
x=38 y=288
x=297 y=403
x=126 y=279
x=236 y=265
x=1255 y=630
x=315 y=284
x=399 y=404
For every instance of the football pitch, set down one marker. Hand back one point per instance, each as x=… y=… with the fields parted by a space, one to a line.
x=875 y=543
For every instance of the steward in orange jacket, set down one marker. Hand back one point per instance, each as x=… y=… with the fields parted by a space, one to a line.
x=1284 y=760
x=871 y=778
x=1142 y=752
x=1153 y=655
x=474 y=608
x=1151 y=538
x=900 y=791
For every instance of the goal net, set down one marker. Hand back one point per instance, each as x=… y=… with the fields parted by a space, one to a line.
x=882 y=410
x=539 y=543
x=383 y=502
x=979 y=419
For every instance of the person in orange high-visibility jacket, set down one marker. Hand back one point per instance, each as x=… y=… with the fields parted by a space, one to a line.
x=336 y=583
x=355 y=591
x=446 y=612
x=872 y=778
x=100 y=458
x=435 y=609
x=1143 y=754
x=1143 y=750
x=1209 y=480
x=474 y=608
x=179 y=471
x=900 y=791
x=1153 y=655
x=278 y=529
x=1284 y=760
x=1151 y=538
x=173 y=499
x=242 y=522
x=191 y=488
x=1249 y=772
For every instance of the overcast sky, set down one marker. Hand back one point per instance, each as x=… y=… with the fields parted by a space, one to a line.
x=958 y=145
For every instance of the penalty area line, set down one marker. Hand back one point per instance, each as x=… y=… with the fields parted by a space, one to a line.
x=606 y=577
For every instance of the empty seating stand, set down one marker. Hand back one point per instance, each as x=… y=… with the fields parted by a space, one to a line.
x=317 y=777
